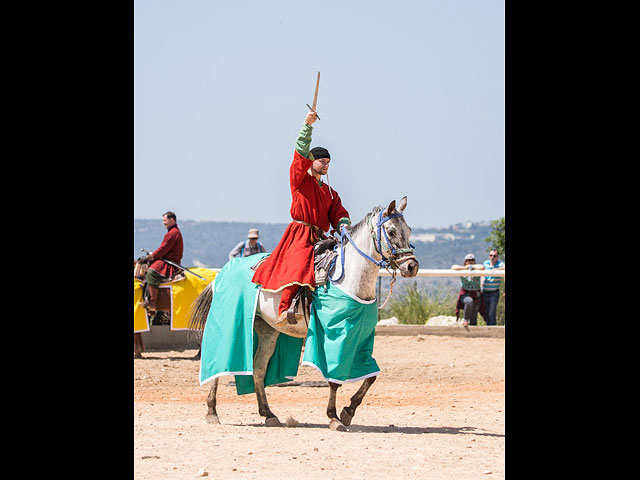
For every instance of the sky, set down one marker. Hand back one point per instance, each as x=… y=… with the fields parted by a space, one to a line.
x=411 y=102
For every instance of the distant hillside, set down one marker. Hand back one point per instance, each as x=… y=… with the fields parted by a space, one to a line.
x=208 y=244
x=443 y=247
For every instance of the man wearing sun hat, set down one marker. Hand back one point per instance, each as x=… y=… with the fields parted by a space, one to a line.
x=247 y=247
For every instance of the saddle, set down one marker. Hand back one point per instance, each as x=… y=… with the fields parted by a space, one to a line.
x=140 y=272
x=323 y=256
x=163 y=303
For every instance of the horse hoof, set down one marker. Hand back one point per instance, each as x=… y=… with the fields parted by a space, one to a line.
x=345 y=418
x=137 y=355
x=273 y=422
x=337 y=426
x=213 y=419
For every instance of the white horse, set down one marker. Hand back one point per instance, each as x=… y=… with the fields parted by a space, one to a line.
x=381 y=239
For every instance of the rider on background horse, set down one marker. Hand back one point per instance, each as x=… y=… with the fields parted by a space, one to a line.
x=315 y=207
x=171 y=248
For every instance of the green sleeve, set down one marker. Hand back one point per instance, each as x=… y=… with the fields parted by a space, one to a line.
x=303 y=142
x=344 y=220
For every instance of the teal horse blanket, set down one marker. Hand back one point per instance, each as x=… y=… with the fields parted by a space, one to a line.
x=339 y=340
x=341 y=335
x=229 y=342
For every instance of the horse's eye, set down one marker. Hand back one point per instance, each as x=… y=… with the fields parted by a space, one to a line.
x=392 y=233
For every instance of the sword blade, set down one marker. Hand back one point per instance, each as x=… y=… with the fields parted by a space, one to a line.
x=315 y=97
x=185 y=269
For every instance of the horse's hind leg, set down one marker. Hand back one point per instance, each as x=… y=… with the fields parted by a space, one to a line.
x=348 y=412
x=212 y=414
x=334 y=421
x=267 y=339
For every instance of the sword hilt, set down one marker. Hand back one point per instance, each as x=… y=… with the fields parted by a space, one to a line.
x=309 y=107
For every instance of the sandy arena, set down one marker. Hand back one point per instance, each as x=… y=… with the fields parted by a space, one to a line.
x=435 y=412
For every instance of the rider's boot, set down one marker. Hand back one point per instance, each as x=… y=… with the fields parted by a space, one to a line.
x=288 y=306
x=289 y=317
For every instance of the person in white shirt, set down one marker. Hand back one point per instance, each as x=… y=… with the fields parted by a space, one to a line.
x=491 y=287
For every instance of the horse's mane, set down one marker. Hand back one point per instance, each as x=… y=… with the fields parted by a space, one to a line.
x=353 y=229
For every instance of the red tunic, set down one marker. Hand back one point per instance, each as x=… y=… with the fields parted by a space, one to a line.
x=292 y=260
x=171 y=249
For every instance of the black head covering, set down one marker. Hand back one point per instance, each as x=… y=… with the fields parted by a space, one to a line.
x=320 y=152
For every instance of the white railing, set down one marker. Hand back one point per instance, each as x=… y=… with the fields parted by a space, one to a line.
x=437 y=272
x=427 y=272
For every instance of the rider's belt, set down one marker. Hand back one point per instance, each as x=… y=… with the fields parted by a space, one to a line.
x=316 y=232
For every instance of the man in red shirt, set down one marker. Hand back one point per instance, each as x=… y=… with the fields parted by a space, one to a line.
x=171 y=248
x=315 y=207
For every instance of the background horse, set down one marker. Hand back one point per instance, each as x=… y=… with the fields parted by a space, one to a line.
x=381 y=239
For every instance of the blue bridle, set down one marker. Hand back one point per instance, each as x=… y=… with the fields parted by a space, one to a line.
x=376 y=233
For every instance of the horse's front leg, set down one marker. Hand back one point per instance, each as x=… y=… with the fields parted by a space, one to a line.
x=348 y=412
x=334 y=421
x=267 y=339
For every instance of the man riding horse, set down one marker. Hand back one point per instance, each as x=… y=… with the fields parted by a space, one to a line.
x=315 y=207
x=159 y=271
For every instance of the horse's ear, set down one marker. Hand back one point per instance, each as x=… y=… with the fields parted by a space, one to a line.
x=389 y=209
x=403 y=204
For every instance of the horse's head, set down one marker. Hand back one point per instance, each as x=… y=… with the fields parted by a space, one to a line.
x=391 y=237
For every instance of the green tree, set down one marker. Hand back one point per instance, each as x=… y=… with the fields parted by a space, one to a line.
x=496 y=237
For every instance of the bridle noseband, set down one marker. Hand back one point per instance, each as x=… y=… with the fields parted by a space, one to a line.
x=395 y=252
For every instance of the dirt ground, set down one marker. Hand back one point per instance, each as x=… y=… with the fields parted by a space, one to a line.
x=436 y=411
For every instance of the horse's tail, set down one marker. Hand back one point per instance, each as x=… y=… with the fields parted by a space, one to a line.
x=199 y=312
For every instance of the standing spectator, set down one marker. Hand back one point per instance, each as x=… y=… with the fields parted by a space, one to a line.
x=469 y=298
x=491 y=286
x=250 y=246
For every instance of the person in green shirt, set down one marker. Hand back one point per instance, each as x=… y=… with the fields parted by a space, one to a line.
x=470 y=297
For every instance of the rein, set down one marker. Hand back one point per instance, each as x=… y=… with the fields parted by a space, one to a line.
x=385 y=262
